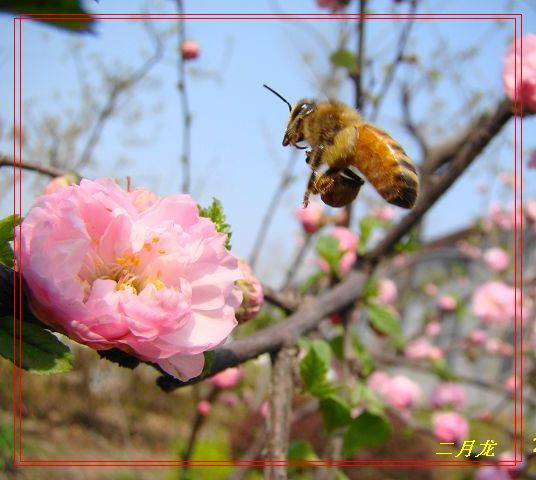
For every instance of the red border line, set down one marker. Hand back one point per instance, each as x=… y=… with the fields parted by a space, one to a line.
x=384 y=462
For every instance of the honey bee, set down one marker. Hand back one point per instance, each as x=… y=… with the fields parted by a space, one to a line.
x=341 y=140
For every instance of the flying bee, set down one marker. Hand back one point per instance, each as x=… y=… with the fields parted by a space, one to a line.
x=341 y=140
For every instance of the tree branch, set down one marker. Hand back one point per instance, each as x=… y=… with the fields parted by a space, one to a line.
x=477 y=136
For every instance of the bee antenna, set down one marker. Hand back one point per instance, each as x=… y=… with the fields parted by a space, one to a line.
x=279 y=95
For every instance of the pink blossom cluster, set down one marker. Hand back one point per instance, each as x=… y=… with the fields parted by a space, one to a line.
x=125 y=269
x=502 y=472
x=397 y=391
x=347 y=245
x=502 y=217
x=519 y=72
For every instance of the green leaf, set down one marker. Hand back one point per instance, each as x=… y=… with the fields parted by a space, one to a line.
x=42 y=352
x=408 y=243
x=301 y=450
x=7 y=232
x=367 y=430
x=337 y=346
x=367 y=225
x=314 y=366
x=54 y=7
x=383 y=319
x=216 y=214
x=343 y=58
x=335 y=412
x=327 y=248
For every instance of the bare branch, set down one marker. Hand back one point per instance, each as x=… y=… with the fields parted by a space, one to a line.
x=390 y=75
x=6 y=161
x=185 y=103
x=286 y=179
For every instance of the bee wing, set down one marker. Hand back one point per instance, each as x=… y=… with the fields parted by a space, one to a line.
x=384 y=163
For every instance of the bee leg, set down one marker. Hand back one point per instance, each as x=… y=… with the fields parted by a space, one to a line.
x=314 y=157
x=311 y=189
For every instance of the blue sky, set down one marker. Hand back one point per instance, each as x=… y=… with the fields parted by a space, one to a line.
x=237 y=125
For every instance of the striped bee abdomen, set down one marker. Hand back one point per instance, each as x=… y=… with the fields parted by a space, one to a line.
x=386 y=166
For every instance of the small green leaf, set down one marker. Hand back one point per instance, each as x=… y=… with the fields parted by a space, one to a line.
x=314 y=366
x=408 y=243
x=7 y=225
x=310 y=282
x=337 y=347
x=343 y=58
x=443 y=371
x=367 y=430
x=301 y=450
x=216 y=214
x=365 y=359
x=328 y=249
x=335 y=412
x=383 y=318
x=209 y=360
x=84 y=24
x=42 y=352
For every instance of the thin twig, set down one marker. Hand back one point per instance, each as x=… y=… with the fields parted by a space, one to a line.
x=6 y=161
x=298 y=259
x=409 y=123
x=120 y=86
x=198 y=422
x=397 y=60
x=185 y=104
x=286 y=179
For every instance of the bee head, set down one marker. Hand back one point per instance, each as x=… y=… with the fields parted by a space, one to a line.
x=294 y=133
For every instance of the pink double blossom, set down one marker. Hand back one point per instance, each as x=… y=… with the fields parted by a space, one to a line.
x=422 y=348
x=448 y=395
x=494 y=303
x=447 y=303
x=450 y=426
x=496 y=259
x=117 y=269
x=398 y=392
